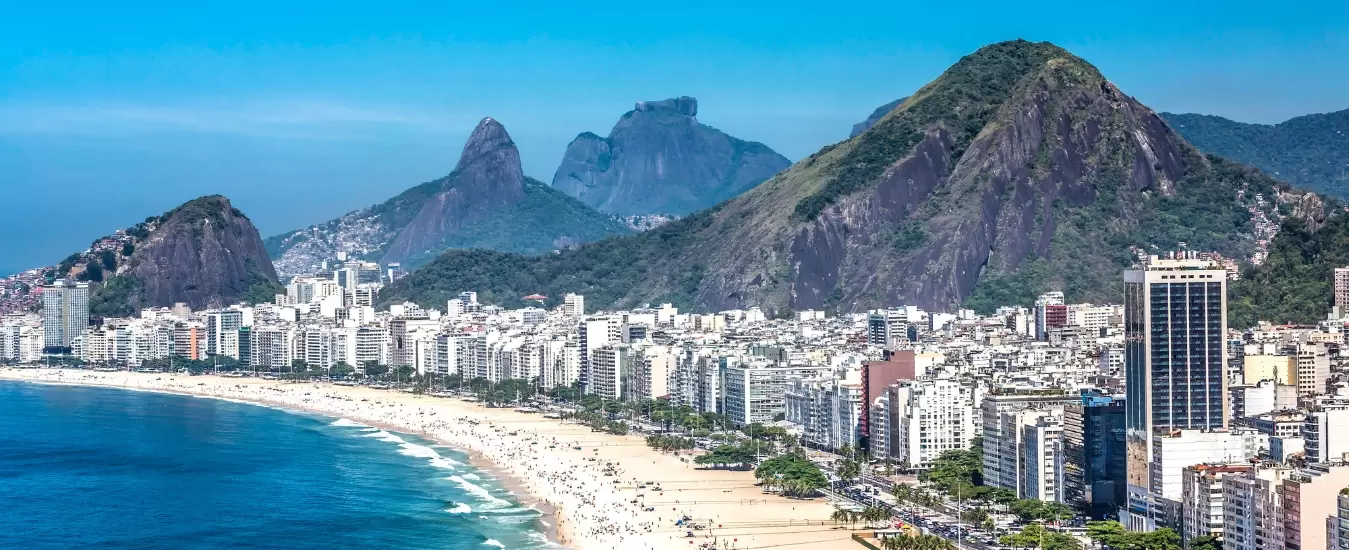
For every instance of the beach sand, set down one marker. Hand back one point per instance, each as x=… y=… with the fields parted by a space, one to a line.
x=590 y=497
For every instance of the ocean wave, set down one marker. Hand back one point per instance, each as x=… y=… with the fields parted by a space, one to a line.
x=422 y=451
x=443 y=463
x=493 y=542
x=385 y=436
x=473 y=477
x=460 y=508
x=480 y=492
x=344 y=423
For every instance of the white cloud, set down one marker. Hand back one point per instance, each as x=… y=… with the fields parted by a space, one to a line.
x=272 y=118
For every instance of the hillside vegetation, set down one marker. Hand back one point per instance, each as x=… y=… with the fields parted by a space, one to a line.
x=1311 y=152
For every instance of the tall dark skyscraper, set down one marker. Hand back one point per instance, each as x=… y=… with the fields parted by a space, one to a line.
x=1175 y=323
x=1093 y=455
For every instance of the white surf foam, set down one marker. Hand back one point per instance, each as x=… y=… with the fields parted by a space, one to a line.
x=493 y=542
x=443 y=463
x=481 y=493
x=385 y=436
x=344 y=423
x=422 y=451
x=460 y=508
x=473 y=477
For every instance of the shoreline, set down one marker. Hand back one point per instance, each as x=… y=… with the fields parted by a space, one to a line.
x=590 y=488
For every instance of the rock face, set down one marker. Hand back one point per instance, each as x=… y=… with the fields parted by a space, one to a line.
x=659 y=159
x=487 y=177
x=875 y=117
x=486 y=202
x=205 y=253
x=1019 y=170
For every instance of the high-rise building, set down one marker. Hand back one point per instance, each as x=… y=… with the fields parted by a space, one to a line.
x=594 y=334
x=222 y=332
x=1175 y=354
x=1042 y=458
x=1252 y=509
x=1003 y=414
x=932 y=416
x=1322 y=430
x=1342 y=290
x=1313 y=370
x=1093 y=451
x=610 y=365
x=1202 y=499
x=1050 y=312
x=888 y=328
x=65 y=313
x=573 y=305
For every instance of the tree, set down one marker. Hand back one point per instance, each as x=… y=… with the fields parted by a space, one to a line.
x=341 y=370
x=920 y=542
x=792 y=473
x=957 y=470
x=1112 y=535
x=374 y=368
x=848 y=470
x=1205 y=543
x=974 y=515
x=875 y=515
x=93 y=272
x=1034 y=535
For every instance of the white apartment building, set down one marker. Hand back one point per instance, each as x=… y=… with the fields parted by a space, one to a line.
x=651 y=369
x=21 y=342
x=272 y=348
x=1042 y=458
x=1002 y=416
x=1326 y=431
x=1202 y=500
x=755 y=388
x=610 y=364
x=1171 y=453
x=932 y=416
x=573 y=305
x=1252 y=509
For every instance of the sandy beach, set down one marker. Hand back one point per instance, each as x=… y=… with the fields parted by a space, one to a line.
x=592 y=497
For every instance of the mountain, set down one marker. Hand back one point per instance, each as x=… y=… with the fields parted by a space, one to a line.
x=1295 y=284
x=486 y=202
x=1020 y=169
x=659 y=159
x=205 y=253
x=1309 y=151
x=875 y=117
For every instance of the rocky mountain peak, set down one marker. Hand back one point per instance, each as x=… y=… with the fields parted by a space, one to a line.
x=489 y=142
x=682 y=105
x=658 y=159
x=205 y=253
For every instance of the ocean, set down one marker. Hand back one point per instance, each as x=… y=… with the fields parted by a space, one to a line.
x=105 y=468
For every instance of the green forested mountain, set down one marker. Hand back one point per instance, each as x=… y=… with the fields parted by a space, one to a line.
x=1295 y=283
x=1311 y=152
x=1018 y=170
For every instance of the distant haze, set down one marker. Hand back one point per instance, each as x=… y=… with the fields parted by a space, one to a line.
x=110 y=115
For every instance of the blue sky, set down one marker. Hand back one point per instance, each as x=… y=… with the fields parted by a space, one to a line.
x=300 y=111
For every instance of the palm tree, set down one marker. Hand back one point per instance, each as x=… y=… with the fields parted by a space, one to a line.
x=839 y=517
x=875 y=515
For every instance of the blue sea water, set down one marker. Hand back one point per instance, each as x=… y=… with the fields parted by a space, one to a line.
x=106 y=468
